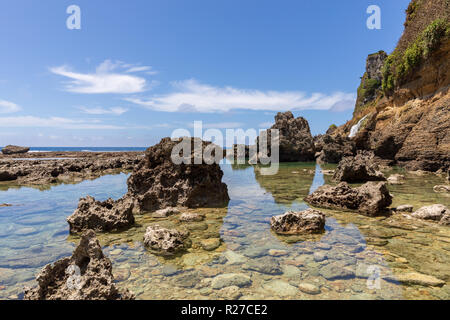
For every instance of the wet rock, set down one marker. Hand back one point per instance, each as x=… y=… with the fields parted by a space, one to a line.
x=234 y=258
x=169 y=270
x=164 y=213
x=278 y=253
x=109 y=215
x=308 y=221
x=335 y=271
x=230 y=279
x=15 y=149
x=404 y=208
x=264 y=265
x=295 y=140
x=255 y=252
x=188 y=280
x=230 y=293
x=371 y=198
x=157 y=182
x=2 y=205
x=192 y=217
x=442 y=188
x=331 y=149
x=280 y=288
x=165 y=241
x=7 y=175
x=396 y=179
x=87 y=275
x=360 y=168
x=210 y=244
x=319 y=256
x=414 y=278
x=445 y=220
x=434 y=212
x=308 y=288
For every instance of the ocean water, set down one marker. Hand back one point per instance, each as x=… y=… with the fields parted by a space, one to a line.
x=357 y=257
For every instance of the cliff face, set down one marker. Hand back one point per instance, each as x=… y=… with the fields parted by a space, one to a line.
x=408 y=110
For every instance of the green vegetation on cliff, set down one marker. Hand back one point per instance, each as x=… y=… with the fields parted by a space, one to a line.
x=405 y=59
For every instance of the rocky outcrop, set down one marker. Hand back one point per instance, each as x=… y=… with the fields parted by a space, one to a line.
x=370 y=199
x=87 y=275
x=15 y=150
x=308 y=221
x=165 y=241
x=157 y=182
x=360 y=168
x=410 y=118
x=62 y=167
x=295 y=140
x=331 y=149
x=436 y=212
x=192 y=217
x=109 y=215
x=371 y=80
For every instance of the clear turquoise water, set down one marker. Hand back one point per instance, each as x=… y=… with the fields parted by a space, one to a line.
x=34 y=232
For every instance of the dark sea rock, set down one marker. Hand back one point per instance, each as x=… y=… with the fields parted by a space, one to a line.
x=360 y=168
x=296 y=142
x=157 y=182
x=331 y=149
x=87 y=275
x=102 y=216
x=371 y=198
x=308 y=221
x=15 y=149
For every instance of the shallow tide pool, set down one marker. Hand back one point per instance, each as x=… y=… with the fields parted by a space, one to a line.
x=234 y=254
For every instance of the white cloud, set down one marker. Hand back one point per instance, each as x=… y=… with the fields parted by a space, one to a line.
x=99 y=111
x=192 y=96
x=106 y=79
x=54 y=122
x=8 y=107
x=220 y=125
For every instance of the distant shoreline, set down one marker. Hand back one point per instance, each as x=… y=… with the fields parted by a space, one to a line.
x=84 y=149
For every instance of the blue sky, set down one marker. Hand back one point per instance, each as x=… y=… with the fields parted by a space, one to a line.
x=139 y=69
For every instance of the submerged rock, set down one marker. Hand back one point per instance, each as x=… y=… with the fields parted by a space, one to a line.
x=435 y=212
x=442 y=188
x=192 y=217
x=157 y=182
x=308 y=221
x=102 y=216
x=164 y=213
x=165 y=241
x=396 y=179
x=15 y=149
x=87 y=275
x=360 y=168
x=404 y=208
x=414 y=278
x=230 y=279
x=371 y=198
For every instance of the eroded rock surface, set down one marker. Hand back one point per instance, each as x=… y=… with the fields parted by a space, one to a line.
x=60 y=167
x=102 y=216
x=165 y=241
x=87 y=275
x=295 y=140
x=157 y=182
x=331 y=149
x=15 y=149
x=308 y=221
x=360 y=168
x=435 y=212
x=371 y=198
